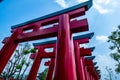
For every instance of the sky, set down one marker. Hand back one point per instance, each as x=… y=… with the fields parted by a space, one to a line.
x=103 y=18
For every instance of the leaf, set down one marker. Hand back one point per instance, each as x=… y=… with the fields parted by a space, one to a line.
x=118 y=41
x=23 y=61
x=115 y=56
x=27 y=64
x=108 y=41
x=42 y=76
x=33 y=50
x=117 y=70
x=19 y=66
x=25 y=52
x=119 y=27
x=119 y=33
x=112 y=47
x=114 y=32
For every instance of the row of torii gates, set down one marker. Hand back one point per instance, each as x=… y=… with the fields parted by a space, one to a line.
x=68 y=61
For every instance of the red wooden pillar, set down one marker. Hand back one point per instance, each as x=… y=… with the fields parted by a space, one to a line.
x=92 y=78
x=8 y=49
x=65 y=68
x=50 y=70
x=79 y=63
x=51 y=67
x=91 y=72
x=86 y=71
x=35 y=67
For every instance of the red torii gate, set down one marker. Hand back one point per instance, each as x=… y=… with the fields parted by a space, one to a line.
x=35 y=67
x=65 y=58
x=90 y=69
x=51 y=44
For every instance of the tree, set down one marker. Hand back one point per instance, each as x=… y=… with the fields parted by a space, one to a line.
x=42 y=76
x=114 y=39
x=19 y=63
x=110 y=74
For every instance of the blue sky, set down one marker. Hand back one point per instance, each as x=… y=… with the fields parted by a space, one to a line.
x=103 y=18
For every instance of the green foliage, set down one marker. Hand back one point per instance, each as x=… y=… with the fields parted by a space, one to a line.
x=19 y=66
x=33 y=50
x=42 y=76
x=19 y=63
x=25 y=52
x=118 y=68
x=115 y=56
x=112 y=47
x=114 y=39
x=23 y=61
x=27 y=64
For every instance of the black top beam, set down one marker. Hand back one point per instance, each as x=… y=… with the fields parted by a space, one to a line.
x=90 y=57
x=96 y=67
x=89 y=35
x=92 y=49
x=86 y=4
x=95 y=63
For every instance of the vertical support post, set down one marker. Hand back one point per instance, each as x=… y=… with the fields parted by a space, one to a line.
x=92 y=77
x=35 y=67
x=65 y=68
x=51 y=69
x=8 y=49
x=79 y=63
x=88 y=73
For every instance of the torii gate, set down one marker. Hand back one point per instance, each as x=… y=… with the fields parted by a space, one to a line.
x=65 y=68
x=88 y=73
x=51 y=44
x=90 y=69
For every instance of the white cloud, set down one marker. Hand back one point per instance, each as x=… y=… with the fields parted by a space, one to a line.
x=84 y=45
x=65 y=4
x=81 y=1
x=101 y=38
x=101 y=9
x=102 y=6
x=105 y=6
x=62 y=3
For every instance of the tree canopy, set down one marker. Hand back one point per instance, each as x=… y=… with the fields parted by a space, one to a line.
x=19 y=62
x=114 y=39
